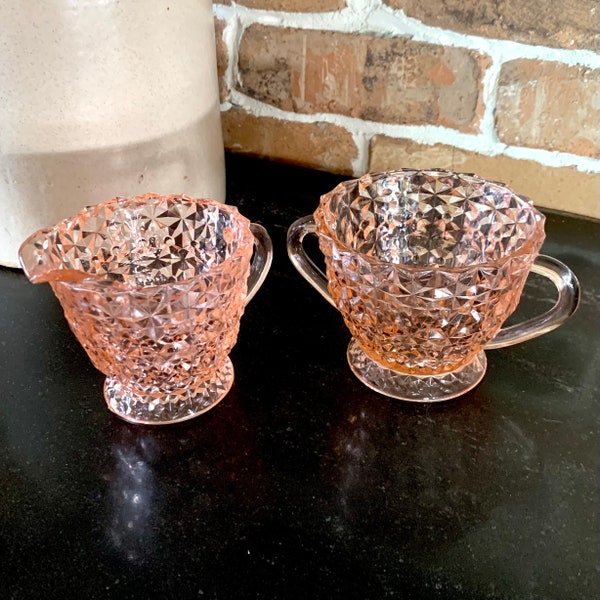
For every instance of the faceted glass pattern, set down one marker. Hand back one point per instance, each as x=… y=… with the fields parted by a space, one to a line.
x=153 y=288
x=425 y=267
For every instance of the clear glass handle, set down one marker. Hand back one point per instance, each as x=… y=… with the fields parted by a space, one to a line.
x=261 y=262
x=563 y=278
x=568 y=299
x=306 y=267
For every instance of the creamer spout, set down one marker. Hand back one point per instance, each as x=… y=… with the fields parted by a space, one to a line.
x=42 y=262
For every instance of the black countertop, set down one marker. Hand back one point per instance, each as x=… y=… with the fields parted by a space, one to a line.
x=302 y=483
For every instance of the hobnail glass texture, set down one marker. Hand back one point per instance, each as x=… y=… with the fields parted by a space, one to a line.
x=425 y=267
x=153 y=288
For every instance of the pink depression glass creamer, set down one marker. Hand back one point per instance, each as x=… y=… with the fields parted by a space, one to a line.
x=153 y=288
x=425 y=267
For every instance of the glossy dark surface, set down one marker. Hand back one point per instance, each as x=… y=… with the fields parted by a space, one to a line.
x=303 y=483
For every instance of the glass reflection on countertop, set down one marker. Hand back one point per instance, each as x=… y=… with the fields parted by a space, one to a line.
x=187 y=490
x=134 y=502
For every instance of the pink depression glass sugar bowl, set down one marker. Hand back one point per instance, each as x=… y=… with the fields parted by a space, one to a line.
x=153 y=288
x=425 y=266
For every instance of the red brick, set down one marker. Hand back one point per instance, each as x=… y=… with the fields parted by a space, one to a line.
x=572 y=24
x=318 y=145
x=563 y=188
x=549 y=105
x=391 y=80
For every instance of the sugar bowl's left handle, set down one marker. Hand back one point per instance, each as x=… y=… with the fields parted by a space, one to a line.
x=261 y=261
x=300 y=259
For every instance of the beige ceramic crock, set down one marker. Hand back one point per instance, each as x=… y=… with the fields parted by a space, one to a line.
x=100 y=98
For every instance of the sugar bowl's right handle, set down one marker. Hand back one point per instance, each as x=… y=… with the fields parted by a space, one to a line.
x=568 y=299
x=306 y=267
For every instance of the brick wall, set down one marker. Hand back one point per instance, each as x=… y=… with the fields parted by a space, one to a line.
x=508 y=89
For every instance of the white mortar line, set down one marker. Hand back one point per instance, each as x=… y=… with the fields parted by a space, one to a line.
x=489 y=95
x=360 y=164
x=231 y=38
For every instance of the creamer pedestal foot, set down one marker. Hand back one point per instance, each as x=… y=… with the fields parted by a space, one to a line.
x=165 y=409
